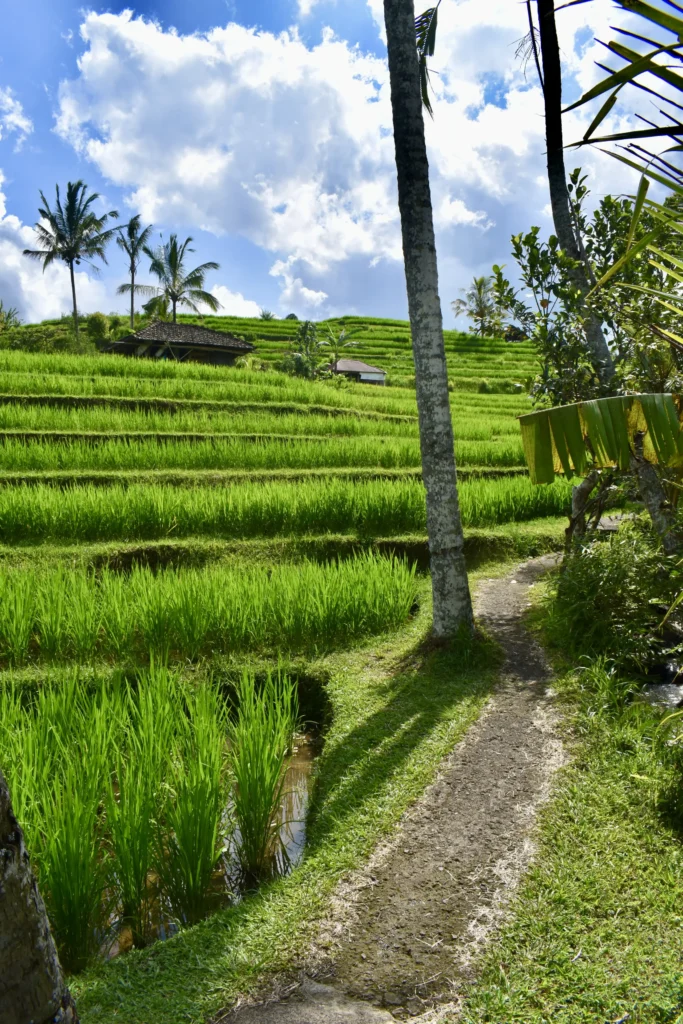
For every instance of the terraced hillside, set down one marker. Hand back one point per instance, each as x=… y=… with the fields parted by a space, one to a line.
x=219 y=523
x=473 y=363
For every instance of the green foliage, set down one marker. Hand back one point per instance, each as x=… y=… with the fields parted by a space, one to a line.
x=196 y=612
x=71 y=232
x=308 y=356
x=602 y=433
x=481 y=306
x=178 y=286
x=261 y=734
x=611 y=597
x=383 y=507
x=553 y=320
x=9 y=317
x=98 y=329
x=266 y=314
x=190 y=840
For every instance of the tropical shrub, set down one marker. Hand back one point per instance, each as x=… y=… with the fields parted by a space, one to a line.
x=612 y=596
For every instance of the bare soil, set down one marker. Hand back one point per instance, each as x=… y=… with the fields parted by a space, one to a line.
x=406 y=931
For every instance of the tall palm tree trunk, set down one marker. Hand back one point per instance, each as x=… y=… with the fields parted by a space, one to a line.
x=557 y=179
x=174 y=309
x=73 y=297
x=450 y=587
x=32 y=989
x=132 y=298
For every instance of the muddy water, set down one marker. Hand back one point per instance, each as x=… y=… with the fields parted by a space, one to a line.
x=229 y=886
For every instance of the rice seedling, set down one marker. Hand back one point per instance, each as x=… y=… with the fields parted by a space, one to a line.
x=380 y=507
x=261 y=734
x=191 y=837
x=73 y=864
x=134 y=794
x=201 y=612
x=17 y=604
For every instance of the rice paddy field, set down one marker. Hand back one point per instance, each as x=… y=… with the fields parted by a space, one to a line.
x=180 y=546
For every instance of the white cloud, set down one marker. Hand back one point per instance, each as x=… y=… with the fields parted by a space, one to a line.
x=12 y=117
x=38 y=295
x=306 y=6
x=248 y=133
x=234 y=303
x=294 y=292
x=455 y=211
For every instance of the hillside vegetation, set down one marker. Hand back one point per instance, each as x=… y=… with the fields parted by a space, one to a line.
x=223 y=523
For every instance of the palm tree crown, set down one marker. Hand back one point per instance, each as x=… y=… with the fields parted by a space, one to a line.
x=181 y=287
x=133 y=242
x=72 y=232
x=479 y=305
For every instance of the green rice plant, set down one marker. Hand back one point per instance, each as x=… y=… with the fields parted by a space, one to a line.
x=51 y=613
x=17 y=607
x=215 y=609
x=72 y=861
x=379 y=507
x=261 y=734
x=191 y=836
x=84 y=617
x=74 y=869
x=134 y=794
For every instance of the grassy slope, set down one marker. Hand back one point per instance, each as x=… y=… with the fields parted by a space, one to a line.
x=396 y=711
x=596 y=931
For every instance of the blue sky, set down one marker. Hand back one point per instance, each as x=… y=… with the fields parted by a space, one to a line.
x=262 y=129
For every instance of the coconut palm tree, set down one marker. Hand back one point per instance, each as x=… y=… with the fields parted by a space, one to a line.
x=33 y=986
x=180 y=286
x=133 y=242
x=337 y=343
x=479 y=306
x=72 y=232
x=450 y=587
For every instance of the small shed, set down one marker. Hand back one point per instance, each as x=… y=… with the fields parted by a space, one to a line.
x=183 y=342
x=354 y=369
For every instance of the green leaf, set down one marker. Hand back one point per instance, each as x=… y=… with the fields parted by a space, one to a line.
x=566 y=422
x=538 y=446
x=641 y=196
x=654 y=14
x=601 y=114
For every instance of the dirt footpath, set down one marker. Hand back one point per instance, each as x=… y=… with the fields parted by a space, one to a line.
x=408 y=927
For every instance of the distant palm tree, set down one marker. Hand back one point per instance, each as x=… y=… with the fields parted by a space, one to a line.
x=72 y=233
x=479 y=306
x=158 y=307
x=181 y=287
x=338 y=342
x=133 y=242
x=265 y=314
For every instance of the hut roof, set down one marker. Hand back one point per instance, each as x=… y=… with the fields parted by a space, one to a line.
x=355 y=366
x=162 y=331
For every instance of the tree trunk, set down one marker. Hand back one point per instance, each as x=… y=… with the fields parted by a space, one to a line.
x=655 y=500
x=73 y=296
x=174 y=305
x=450 y=587
x=32 y=989
x=132 y=298
x=557 y=180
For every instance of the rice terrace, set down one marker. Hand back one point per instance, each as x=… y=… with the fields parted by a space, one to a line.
x=341 y=654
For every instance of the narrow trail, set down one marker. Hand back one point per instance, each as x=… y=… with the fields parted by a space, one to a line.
x=408 y=927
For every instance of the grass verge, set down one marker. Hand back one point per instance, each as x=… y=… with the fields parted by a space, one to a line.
x=595 y=932
x=398 y=708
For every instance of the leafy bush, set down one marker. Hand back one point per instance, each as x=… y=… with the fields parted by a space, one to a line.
x=611 y=598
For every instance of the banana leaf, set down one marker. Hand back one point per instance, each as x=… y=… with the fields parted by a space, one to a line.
x=600 y=433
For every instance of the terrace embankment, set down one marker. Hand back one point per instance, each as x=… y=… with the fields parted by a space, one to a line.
x=407 y=929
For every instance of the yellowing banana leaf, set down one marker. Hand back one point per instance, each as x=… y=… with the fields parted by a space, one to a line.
x=600 y=433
